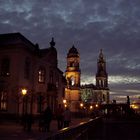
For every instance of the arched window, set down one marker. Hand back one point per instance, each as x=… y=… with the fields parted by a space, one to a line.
x=71 y=64
x=5 y=67
x=72 y=81
x=100 y=83
x=41 y=75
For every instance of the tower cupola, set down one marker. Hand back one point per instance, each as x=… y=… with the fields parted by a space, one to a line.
x=73 y=52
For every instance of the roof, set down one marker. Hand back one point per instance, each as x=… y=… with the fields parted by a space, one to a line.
x=16 y=38
x=73 y=52
x=13 y=39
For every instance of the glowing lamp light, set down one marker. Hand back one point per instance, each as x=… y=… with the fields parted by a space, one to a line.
x=134 y=106
x=97 y=105
x=91 y=107
x=81 y=105
x=24 y=91
x=64 y=101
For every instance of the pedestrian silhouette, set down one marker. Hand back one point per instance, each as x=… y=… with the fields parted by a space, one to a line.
x=59 y=116
x=67 y=117
x=27 y=122
x=41 y=121
x=47 y=119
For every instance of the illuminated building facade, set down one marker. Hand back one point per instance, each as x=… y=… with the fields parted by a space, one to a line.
x=29 y=76
x=99 y=93
x=88 y=94
x=102 y=79
x=72 y=75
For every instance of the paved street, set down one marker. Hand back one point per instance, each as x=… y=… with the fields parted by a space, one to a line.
x=107 y=130
x=14 y=131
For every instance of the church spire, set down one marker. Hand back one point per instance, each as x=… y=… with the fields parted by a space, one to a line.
x=101 y=75
x=101 y=56
x=102 y=78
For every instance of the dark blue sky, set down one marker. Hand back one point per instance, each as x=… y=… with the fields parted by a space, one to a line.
x=91 y=25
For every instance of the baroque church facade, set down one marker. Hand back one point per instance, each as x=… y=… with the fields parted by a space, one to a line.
x=75 y=93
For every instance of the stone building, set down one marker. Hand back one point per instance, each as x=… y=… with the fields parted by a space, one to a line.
x=88 y=94
x=75 y=93
x=72 y=75
x=29 y=76
x=99 y=93
x=102 y=79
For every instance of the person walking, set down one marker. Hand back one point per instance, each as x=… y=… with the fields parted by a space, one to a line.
x=41 y=122
x=59 y=117
x=27 y=122
x=67 y=117
x=47 y=119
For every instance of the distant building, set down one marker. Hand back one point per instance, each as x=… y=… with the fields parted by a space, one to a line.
x=30 y=79
x=99 y=93
x=102 y=79
x=89 y=93
x=72 y=75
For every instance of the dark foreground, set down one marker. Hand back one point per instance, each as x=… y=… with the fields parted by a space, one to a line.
x=112 y=129
x=100 y=129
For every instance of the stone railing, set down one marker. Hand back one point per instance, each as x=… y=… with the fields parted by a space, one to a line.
x=82 y=131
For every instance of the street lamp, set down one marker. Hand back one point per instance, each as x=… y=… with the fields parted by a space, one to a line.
x=65 y=103
x=96 y=105
x=91 y=107
x=81 y=105
x=24 y=93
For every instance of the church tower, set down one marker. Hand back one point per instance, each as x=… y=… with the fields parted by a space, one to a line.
x=72 y=75
x=102 y=79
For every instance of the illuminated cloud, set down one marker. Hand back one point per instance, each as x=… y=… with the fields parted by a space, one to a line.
x=123 y=79
x=87 y=80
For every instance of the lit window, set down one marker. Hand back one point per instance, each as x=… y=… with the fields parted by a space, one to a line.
x=41 y=75
x=72 y=81
x=5 y=67
x=3 y=101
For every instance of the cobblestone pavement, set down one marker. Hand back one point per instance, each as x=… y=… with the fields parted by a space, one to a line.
x=14 y=131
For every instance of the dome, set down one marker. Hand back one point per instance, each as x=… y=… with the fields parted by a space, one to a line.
x=73 y=51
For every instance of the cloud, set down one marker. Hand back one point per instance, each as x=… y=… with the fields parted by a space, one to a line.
x=113 y=25
x=124 y=80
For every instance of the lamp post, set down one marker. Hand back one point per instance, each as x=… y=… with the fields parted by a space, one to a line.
x=81 y=110
x=81 y=105
x=65 y=103
x=24 y=93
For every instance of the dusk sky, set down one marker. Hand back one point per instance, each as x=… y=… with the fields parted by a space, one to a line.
x=91 y=25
